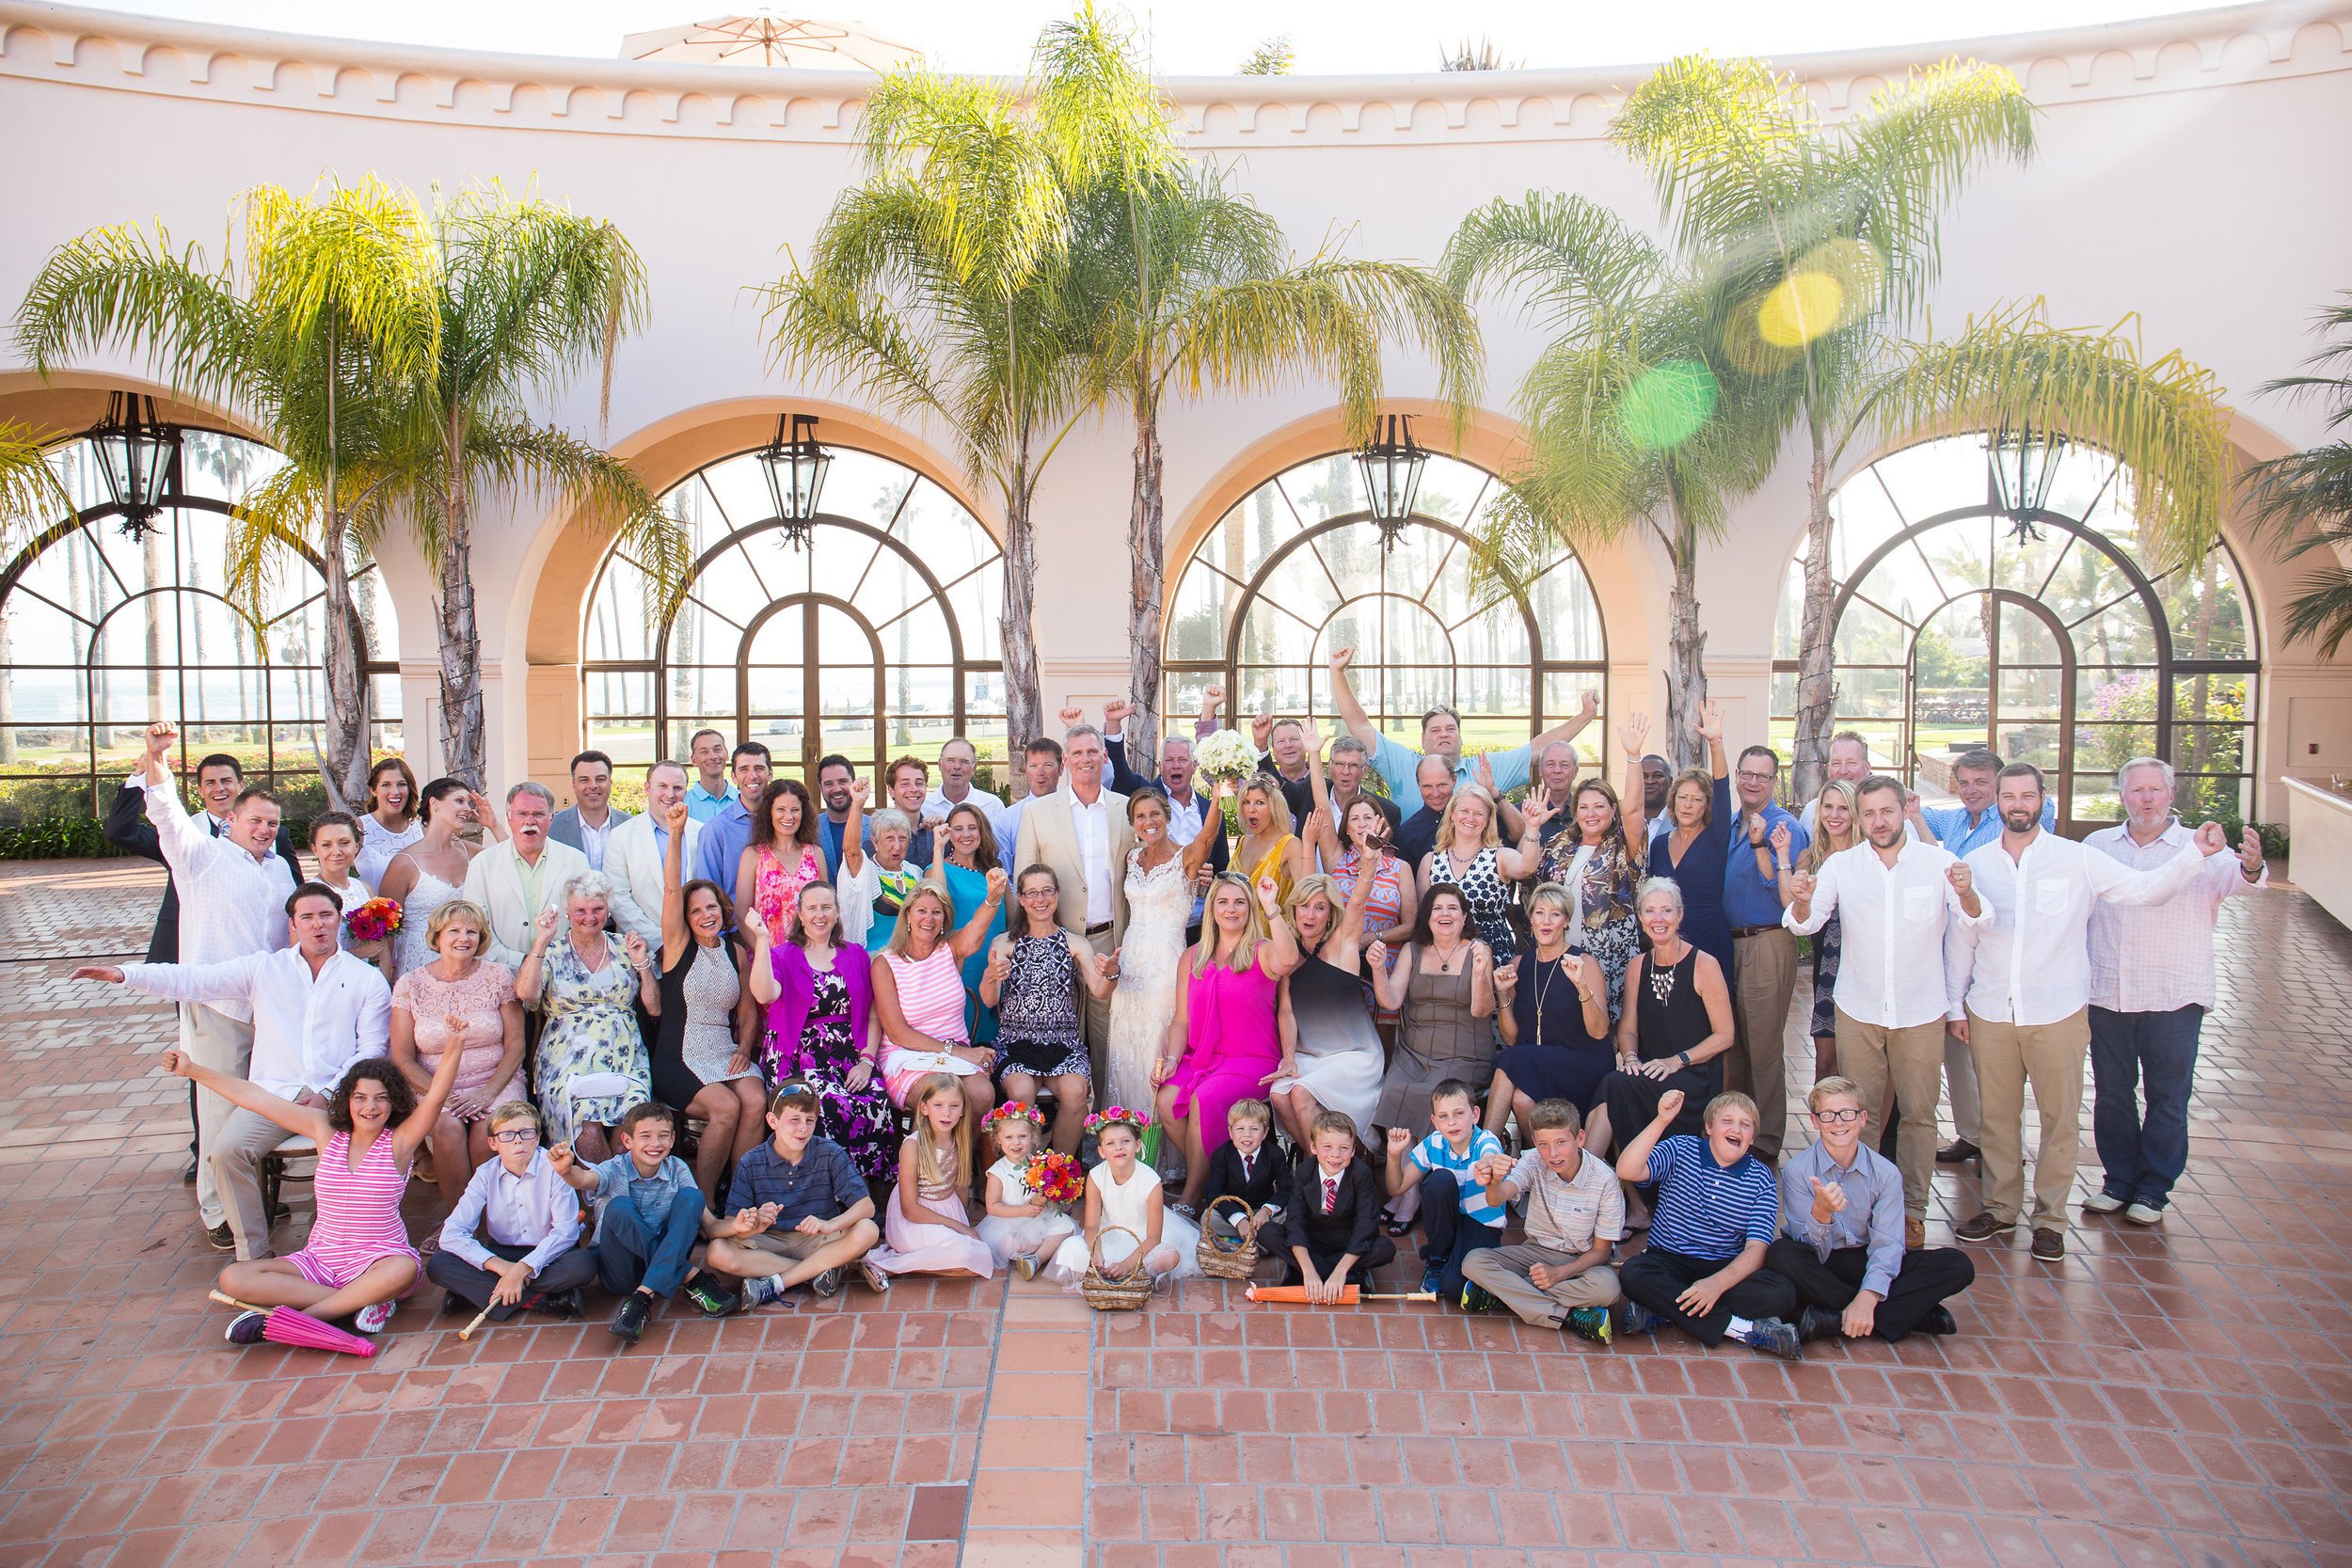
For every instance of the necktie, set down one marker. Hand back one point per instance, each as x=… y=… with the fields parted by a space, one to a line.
x=1247 y=1162
x=1330 y=1193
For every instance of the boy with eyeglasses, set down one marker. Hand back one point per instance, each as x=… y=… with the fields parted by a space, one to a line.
x=1841 y=1243
x=533 y=1258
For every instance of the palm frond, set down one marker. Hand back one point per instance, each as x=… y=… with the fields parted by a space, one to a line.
x=609 y=499
x=30 y=495
x=1571 y=258
x=128 y=285
x=1727 y=144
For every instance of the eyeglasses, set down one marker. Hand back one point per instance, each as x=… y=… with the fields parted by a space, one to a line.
x=1039 y=892
x=1751 y=776
x=1838 y=1118
x=516 y=1135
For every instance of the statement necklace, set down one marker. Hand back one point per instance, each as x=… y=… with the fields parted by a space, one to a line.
x=1662 y=981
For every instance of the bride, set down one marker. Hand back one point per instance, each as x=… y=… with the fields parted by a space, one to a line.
x=1159 y=906
x=429 y=872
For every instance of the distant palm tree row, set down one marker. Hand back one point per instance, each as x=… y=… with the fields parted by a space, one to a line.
x=1014 y=263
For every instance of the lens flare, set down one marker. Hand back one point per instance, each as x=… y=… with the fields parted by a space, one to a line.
x=1666 y=404
x=1744 y=346
x=1799 y=309
x=1856 y=269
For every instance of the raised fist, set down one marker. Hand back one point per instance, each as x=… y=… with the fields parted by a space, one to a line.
x=1339 y=659
x=1072 y=716
x=997 y=882
x=1669 y=1106
x=1400 y=1139
x=1960 y=877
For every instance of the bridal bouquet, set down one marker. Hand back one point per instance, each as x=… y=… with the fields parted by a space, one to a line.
x=373 y=921
x=1056 y=1178
x=1225 y=755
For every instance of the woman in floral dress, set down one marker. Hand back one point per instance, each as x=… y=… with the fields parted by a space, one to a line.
x=593 y=1065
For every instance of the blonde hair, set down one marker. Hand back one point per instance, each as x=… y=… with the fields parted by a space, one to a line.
x=1308 y=888
x=1278 y=804
x=1494 y=815
x=1553 y=892
x=453 y=912
x=1821 y=848
x=904 y=931
x=1249 y=1110
x=927 y=1168
x=513 y=1110
x=1245 y=951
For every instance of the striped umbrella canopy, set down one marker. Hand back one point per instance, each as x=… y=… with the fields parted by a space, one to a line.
x=764 y=38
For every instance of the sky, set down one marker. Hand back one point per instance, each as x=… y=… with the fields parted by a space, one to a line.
x=1212 y=37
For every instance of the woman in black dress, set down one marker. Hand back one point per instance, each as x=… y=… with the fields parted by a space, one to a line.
x=1553 y=1005
x=1675 y=1025
x=702 y=1062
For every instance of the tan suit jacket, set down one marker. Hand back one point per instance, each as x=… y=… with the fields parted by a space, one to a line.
x=633 y=865
x=1049 y=836
x=494 y=880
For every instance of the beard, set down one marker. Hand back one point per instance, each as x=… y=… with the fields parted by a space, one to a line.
x=1885 y=838
x=2021 y=821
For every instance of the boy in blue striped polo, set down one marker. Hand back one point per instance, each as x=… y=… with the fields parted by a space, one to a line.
x=1717 y=1207
x=1450 y=1166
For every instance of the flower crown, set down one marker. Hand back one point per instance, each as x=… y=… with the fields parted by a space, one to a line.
x=1118 y=1116
x=1013 y=1109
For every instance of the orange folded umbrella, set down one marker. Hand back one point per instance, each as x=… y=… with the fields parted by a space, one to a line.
x=1349 y=1295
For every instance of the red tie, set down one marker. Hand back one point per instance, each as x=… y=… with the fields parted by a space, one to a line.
x=1247 y=1161
x=1330 y=1193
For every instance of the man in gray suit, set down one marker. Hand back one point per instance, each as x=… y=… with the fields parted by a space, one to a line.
x=588 y=822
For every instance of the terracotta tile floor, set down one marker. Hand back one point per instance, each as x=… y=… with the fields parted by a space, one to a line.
x=2175 y=1397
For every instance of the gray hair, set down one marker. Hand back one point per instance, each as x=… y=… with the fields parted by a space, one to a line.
x=2123 y=773
x=1348 y=743
x=1184 y=740
x=1075 y=731
x=890 y=819
x=588 y=885
x=1574 y=755
x=530 y=787
x=1662 y=886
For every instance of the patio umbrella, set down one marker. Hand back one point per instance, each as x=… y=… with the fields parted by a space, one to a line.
x=289 y=1326
x=763 y=38
x=1349 y=1294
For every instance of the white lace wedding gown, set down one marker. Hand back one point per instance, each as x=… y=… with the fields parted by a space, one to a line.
x=426 y=894
x=1159 y=906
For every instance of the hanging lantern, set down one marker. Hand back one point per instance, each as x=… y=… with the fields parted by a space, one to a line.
x=136 y=452
x=2023 y=462
x=796 y=475
x=1391 y=466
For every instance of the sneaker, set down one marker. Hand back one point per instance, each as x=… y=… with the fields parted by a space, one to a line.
x=875 y=1280
x=1432 y=1279
x=1590 y=1322
x=1982 y=1227
x=245 y=1328
x=1477 y=1298
x=375 y=1317
x=1773 y=1337
x=1939 y=1321
x=715 y=1302
x=1914 y=1235
x=2144 y=1214
x=564 y=1303
x=829 y=1282
x=1813 y=1323
x=629 y=1324
x=453 y=1304
x=222 y=1238
x=1959 y=1151
x=1024 y=1267
x=761 y=1291
x=1634 y=1317
x=2102 y=1203
x=2049 y=1246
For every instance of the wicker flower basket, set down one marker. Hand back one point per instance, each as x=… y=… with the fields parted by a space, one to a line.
x=1105 y=1294
x=1223 y=1258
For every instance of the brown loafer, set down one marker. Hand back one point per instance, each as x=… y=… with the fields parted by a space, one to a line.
x=1982 y=1227
x=2049 y=1246
x=1914 y=1235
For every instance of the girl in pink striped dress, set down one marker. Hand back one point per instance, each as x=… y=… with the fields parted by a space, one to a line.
x=357 y=1263
x=920 y=997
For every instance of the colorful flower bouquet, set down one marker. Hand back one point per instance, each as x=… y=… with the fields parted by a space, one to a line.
x=1056 y=1178
x=1225 y=755
x=373 y=921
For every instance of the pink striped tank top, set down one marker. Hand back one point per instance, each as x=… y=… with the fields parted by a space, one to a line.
x=359 y=1211
x=930 y=994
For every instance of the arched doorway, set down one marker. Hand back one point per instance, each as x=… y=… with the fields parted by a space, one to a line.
x=103 y=631
x=2060 y=646
x=876 y=638
x=1298 y=568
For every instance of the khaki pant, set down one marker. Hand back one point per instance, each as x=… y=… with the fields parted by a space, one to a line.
x=1504 y=1271
x=1959 y=1078
x=1764 y=974
x=233 y=1154
x=1872 y=1054
x=212 y=1038
x=1094 y=1019
x=2050 y=1056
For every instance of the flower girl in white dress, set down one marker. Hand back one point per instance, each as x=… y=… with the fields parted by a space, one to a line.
x=1021 y=1227
x=1123 y=1202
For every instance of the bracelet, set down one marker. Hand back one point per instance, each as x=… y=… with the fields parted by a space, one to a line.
x=1686 y=1058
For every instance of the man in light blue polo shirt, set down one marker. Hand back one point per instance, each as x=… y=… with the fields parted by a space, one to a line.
x=726 y=835
x=712 y=791
x=1441 y=735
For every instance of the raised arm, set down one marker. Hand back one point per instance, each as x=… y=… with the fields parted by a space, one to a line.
x=303 y=1121
x=1569 y=729
x=1390 y=983
x=1278 y=954
x=1710 y=728
x=1633 y=802
x=853 y=830
x=760 y=962
x=969 y=938
x=410 y=1134
x=746 y=877
x=1211 y=831
x=1352 y=712
x=1347 y=938
x=530 y=974
x=179 y=838
x=1097 y=972
x=675 y=938
x=1633 y=1161
x=126 y=825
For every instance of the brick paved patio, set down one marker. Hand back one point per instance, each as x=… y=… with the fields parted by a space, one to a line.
x=2181 y=1398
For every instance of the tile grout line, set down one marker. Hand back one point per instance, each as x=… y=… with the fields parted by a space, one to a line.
x=1060 y=1318
x=988 y=1395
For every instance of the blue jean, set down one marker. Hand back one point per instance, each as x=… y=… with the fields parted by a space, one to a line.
x=2143 y=1154
x=630 y=1253
x=1447 y=1234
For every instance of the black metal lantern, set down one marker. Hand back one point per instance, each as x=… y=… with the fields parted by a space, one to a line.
x=136 y=451
x=796 y=474
x=1392 y=468
x=2023 y=462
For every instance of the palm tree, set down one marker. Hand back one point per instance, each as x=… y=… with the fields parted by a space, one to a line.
x=941 y=288
x=1629 y=422
x=2305 y=498
x=29 y=491
x=307 y=340
x=1188 y=287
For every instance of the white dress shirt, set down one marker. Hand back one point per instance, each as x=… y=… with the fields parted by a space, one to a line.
x=2158 y=957
x=633 y=862
x=350 y=896
x=1092 y=825
x=536 y=1209
x=1890 y=969
x=937 y=804
x=232 y=902
x=2041 y=905
x=306 y=1029
x=593 y=840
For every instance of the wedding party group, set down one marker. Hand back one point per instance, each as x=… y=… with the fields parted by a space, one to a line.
x=1184 y=1000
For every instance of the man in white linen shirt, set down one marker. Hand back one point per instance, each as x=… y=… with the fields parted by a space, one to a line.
x=2026 y=1014
x=958 y=762
x=1896 y=898
x=315 y=1008
x=2150 y=987
x=1082 y=832
x=515 y=878
x=233 y=899
x=632 y=859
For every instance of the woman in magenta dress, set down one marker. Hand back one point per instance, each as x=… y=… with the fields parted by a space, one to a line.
x=357 y=1263
x=1224 y=1043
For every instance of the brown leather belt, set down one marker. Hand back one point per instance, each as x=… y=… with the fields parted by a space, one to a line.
x=1740 y=932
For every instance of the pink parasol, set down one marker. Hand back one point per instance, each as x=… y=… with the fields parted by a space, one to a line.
x=290 y=1325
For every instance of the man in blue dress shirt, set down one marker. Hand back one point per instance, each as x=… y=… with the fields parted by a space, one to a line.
x=1763 y=950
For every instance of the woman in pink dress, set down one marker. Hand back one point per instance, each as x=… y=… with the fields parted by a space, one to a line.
x=358 y=1261
x=929 y=1228
x=918 y=997
x=781 y=859
x=464 y=1002
x=1224 y=1043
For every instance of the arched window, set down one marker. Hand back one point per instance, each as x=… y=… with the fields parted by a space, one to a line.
x=877 y=640
x=2066 y=648
x=1298 y=568
x=102 y=633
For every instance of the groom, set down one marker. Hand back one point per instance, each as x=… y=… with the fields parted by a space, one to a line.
x=1081 y=831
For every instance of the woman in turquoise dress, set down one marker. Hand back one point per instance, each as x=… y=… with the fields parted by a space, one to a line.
x=962 y=871
x=593 y=1065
